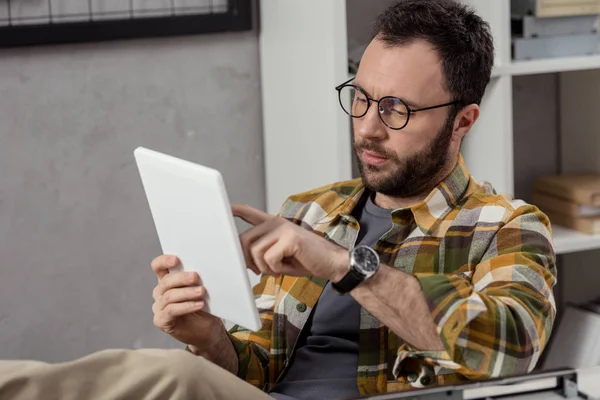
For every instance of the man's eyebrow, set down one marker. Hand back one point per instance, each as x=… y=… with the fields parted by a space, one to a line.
x=410 y=103
x=353 y=82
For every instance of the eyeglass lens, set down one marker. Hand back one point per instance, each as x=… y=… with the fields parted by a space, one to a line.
x=392 y=111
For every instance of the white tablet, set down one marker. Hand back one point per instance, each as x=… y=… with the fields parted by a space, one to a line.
x=194 y=222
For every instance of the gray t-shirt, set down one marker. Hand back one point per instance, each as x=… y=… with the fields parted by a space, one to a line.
x=326 y=360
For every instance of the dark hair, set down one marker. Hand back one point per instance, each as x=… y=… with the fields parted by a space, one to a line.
x=462 y=39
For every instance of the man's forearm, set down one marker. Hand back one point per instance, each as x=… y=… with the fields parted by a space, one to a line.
x=220 y=352
x=396 y=299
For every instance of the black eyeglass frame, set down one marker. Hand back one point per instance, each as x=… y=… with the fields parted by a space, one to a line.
x=371 y=100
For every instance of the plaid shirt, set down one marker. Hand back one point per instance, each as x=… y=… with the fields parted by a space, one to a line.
x=486 y=266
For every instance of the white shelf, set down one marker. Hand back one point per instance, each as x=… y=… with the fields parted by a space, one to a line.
x=544 y=66
x=570 y=241
x=548 y=65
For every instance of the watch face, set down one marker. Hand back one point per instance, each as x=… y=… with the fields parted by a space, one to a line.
x=366 y=259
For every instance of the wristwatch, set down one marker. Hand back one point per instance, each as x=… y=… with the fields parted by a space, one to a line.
x=364 y=263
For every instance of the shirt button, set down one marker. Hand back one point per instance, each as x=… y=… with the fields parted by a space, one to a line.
x=412 y=377
x=301 y=307
x=425 y=381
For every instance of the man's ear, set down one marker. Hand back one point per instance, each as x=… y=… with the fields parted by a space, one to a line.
x=464 y=121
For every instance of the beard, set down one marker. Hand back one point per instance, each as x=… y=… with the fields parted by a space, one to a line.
x=411 y=176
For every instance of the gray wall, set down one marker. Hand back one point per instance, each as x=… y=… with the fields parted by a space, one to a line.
x=76 y=235
x=536 y=130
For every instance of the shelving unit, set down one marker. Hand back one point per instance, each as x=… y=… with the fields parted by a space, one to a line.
x=304 y=52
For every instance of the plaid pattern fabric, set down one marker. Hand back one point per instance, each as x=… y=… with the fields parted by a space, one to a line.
x=486 y=266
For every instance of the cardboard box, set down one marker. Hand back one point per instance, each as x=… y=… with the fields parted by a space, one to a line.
x=556 y=47
x=551 y=203
x=589 y=225
x=555 y=8
x=529 y=27
x=582 y=188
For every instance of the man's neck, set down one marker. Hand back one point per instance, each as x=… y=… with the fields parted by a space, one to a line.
x=393 y=203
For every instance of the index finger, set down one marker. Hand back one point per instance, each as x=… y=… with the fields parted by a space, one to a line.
x=250 y=214
x=162 y=264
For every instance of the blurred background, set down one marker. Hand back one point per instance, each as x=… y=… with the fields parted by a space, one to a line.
x=225 y=83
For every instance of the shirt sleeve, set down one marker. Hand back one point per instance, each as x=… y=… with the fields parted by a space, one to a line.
x=253 y=348
x=496 y=320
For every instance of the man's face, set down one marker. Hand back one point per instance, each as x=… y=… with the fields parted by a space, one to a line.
x=406 y=162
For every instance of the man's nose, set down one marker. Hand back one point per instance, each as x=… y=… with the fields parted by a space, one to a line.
x=370 y=126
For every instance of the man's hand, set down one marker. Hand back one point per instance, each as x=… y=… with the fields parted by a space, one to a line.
x=275 y=246
x=178 y=304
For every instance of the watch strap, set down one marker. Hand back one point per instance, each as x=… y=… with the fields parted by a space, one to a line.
x=352 y=279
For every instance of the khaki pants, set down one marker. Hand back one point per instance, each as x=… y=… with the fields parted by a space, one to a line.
x=124 y=374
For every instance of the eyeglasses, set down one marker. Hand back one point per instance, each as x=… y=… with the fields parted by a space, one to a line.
x=393 y=111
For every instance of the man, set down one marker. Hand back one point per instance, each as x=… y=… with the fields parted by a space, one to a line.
x=463 y=285
x=413 y=275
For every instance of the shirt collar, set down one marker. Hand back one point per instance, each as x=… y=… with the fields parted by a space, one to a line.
x=432 y=210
